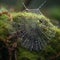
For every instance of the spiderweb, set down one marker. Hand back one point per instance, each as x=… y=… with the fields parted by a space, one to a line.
x=33 y=34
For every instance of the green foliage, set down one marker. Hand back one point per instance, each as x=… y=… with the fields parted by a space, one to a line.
x=5 y=26
x=25 y=53
x=56 y=42
x=53 y=47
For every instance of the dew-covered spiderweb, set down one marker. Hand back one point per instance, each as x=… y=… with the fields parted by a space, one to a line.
x=33 y=34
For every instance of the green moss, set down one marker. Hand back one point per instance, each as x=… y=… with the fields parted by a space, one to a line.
x=30 y=18
x=50 y=50
x=5 y=26
x=27 y=54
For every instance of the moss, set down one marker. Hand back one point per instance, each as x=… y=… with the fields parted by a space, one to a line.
x=51 y=49
x=30 y=17
x=5 y=26
x=27 y=54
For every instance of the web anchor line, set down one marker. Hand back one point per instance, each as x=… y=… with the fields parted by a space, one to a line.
x=37 y=10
